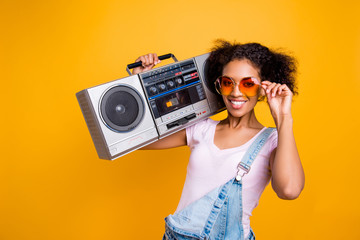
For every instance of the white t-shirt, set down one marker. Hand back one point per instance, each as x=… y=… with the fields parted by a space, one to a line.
x=210 y=167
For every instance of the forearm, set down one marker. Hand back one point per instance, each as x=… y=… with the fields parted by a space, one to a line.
x=287 y=172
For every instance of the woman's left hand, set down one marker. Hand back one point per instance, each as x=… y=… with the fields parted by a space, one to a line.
x=279 y=98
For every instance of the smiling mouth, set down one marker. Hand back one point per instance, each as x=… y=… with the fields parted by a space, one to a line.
x=237 y=102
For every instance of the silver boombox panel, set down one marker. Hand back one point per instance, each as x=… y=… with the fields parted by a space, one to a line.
x=129 y=113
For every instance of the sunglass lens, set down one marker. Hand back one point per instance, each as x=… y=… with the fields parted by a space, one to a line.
x=249 y=86
x=226 y=86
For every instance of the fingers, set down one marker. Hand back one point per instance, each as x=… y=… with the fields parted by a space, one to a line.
x=275 y=89
x=282 y=88
x=272 y=89
x=269 y=87
x=148 y=60
x=155 y=58
x=143 y=60
x=265 y=83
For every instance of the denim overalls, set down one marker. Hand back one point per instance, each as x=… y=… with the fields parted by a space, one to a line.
x=218 y=214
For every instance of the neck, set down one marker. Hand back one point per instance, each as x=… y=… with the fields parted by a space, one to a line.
x=249 y=120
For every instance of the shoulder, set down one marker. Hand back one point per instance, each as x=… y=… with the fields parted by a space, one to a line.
x=271 y=142
x=203 y=125
x=271 y=136
x=200 y=130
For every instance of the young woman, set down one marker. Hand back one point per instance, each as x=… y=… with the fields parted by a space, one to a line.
x=233 y=160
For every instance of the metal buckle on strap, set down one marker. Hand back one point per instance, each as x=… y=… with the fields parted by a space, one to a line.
x=242 y=166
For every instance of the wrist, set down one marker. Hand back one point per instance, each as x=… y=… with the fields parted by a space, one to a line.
x=283 y=119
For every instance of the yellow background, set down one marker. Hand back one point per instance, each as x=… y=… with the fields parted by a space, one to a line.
x=52 y=184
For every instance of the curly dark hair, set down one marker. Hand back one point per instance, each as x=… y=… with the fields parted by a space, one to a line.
x=274 y=66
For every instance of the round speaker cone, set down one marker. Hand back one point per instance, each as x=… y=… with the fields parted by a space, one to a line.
x=122 y=108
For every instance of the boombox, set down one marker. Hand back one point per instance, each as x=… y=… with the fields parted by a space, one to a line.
x=131 y=112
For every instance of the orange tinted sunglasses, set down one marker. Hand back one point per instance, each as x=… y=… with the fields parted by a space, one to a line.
x=248 y=86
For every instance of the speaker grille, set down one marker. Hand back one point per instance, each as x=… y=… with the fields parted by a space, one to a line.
x=122 y=108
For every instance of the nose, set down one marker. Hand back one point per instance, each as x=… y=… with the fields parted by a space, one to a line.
x=236 y=91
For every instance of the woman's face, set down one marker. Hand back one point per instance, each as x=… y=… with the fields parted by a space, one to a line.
x=237 y=103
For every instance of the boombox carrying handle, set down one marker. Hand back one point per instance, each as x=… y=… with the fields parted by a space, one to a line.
x=138 y=64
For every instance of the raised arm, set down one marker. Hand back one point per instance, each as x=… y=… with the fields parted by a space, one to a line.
x=177 y=139
x=288 y=177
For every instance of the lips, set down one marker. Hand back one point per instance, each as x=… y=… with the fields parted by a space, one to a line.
x=237 y=104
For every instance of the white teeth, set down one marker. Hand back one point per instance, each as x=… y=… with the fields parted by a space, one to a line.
x=237 y=103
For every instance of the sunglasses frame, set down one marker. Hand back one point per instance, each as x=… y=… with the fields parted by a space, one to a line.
x=235 y=84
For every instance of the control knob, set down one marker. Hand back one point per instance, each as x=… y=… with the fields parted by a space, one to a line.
x=178 y=81
x=153 y=90
x=162 y=87
x=170 y=84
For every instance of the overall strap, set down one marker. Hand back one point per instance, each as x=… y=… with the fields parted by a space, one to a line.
x=243 y=168
x=250 y=155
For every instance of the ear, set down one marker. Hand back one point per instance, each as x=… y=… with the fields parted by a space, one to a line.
x=262 y=92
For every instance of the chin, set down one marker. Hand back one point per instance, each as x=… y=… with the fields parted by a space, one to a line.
x=237 y=109
x=236 y=112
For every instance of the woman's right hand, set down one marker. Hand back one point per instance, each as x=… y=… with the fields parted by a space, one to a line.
x=148 y=62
